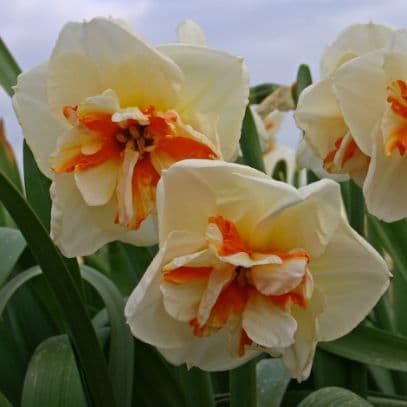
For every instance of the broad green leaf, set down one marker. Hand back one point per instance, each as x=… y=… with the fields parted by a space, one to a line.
x=383 y=400
x=9 y=69
x=383 y=379
x=156 y=384
x=250 y=144
x=12 y=245
x=60 y=280
x=272 y=382
x=4 y=402
x=259 y=92
x=242 y=383
x=121 y=341
x=52 y=377
x=371 y=346
x=329 y=370
x=333 y=397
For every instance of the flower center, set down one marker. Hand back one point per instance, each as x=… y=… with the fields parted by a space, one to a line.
x=396 y=137
x=238 y=274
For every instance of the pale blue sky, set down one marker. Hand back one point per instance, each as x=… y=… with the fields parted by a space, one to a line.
x=273 y=36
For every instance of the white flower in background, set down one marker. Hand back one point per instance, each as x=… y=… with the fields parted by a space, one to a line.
x=372 y=95
x=107 y=113
x=248 y=265
x=319 y=115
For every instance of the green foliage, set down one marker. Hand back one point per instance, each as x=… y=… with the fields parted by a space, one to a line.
x=333 y=397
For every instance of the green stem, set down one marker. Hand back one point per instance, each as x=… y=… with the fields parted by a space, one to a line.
x=242 y=381
x=356 y=213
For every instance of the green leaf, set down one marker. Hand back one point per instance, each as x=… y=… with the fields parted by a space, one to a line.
x=60 y=280
x=304 y=79
x=371 y=346
x=121 y=341
x=333 y=397
x=272 y=382
x=12 y=245
x=9 y=69
x=329 y=370
x=3 y=401
x=52 y=377
x=242 y=382
x=260 y=92
x=250 y=144
x=280 y=171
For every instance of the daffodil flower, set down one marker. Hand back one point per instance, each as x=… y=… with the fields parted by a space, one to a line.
x=372 y=94
x=108 y=113
x=318 y=113
x=248 y=265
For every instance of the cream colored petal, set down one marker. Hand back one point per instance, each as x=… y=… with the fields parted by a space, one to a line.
x=306 y=158
x=298 y=357
x=80 y=230
x=266 y=324
x=355 y=40
x=361 y=91
x=352 y=277
x=278 y=279
x=132 y=113
x=190 y=32
x=308 y=224
x=145 y=312
x=41 y=129
x=398 y=41
x=101 y=54
x=97 y=184
x=319 y=116
x=385 y=185
x=211 y=353
x=216 y=86
x=124 y=191
x=181 y=301
x=218 y=279
x=191 y=191
x=106 y=102
x=394 y=66
x=278 y=154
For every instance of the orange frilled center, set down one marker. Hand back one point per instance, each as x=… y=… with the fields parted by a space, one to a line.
x=159 y=137
x=397 y=98
x=235 y=295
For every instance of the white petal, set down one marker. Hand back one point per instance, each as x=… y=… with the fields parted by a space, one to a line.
x=106 y=102
x=278 y=154
x=101 y=54
x=352 y=277
x=97 y=184
x=216 y=86
x=41 y=129
x=145 y=312
x=181 y=301
x=211 y=353
x=319 y=116
x=306 y=158
x=395 y=65
x=298 y=357
x=266 y=324
x=190 y=32
x=355 y=40
x=361 y=91
x=385 y=187
x=133 y=113
x=307 y=224
x=191 y=191
x=79 y=230
x=398 y=41
x=278 y=279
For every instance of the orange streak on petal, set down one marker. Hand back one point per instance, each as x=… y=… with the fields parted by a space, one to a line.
x=244 y=340
x=295 y=296
x=181 y=148
x=232 y=242
x=186 y=274
x=403 y=88
x=397 y=107
x=145 y=180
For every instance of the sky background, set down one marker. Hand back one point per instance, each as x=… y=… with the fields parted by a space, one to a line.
x=273 y=36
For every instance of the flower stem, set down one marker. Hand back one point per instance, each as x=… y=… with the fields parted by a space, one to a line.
x=242 y=382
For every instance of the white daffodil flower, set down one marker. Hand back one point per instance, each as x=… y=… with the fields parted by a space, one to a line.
x=319 y=115
x=372 y=95
x=248 y=264
x=108 y=113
